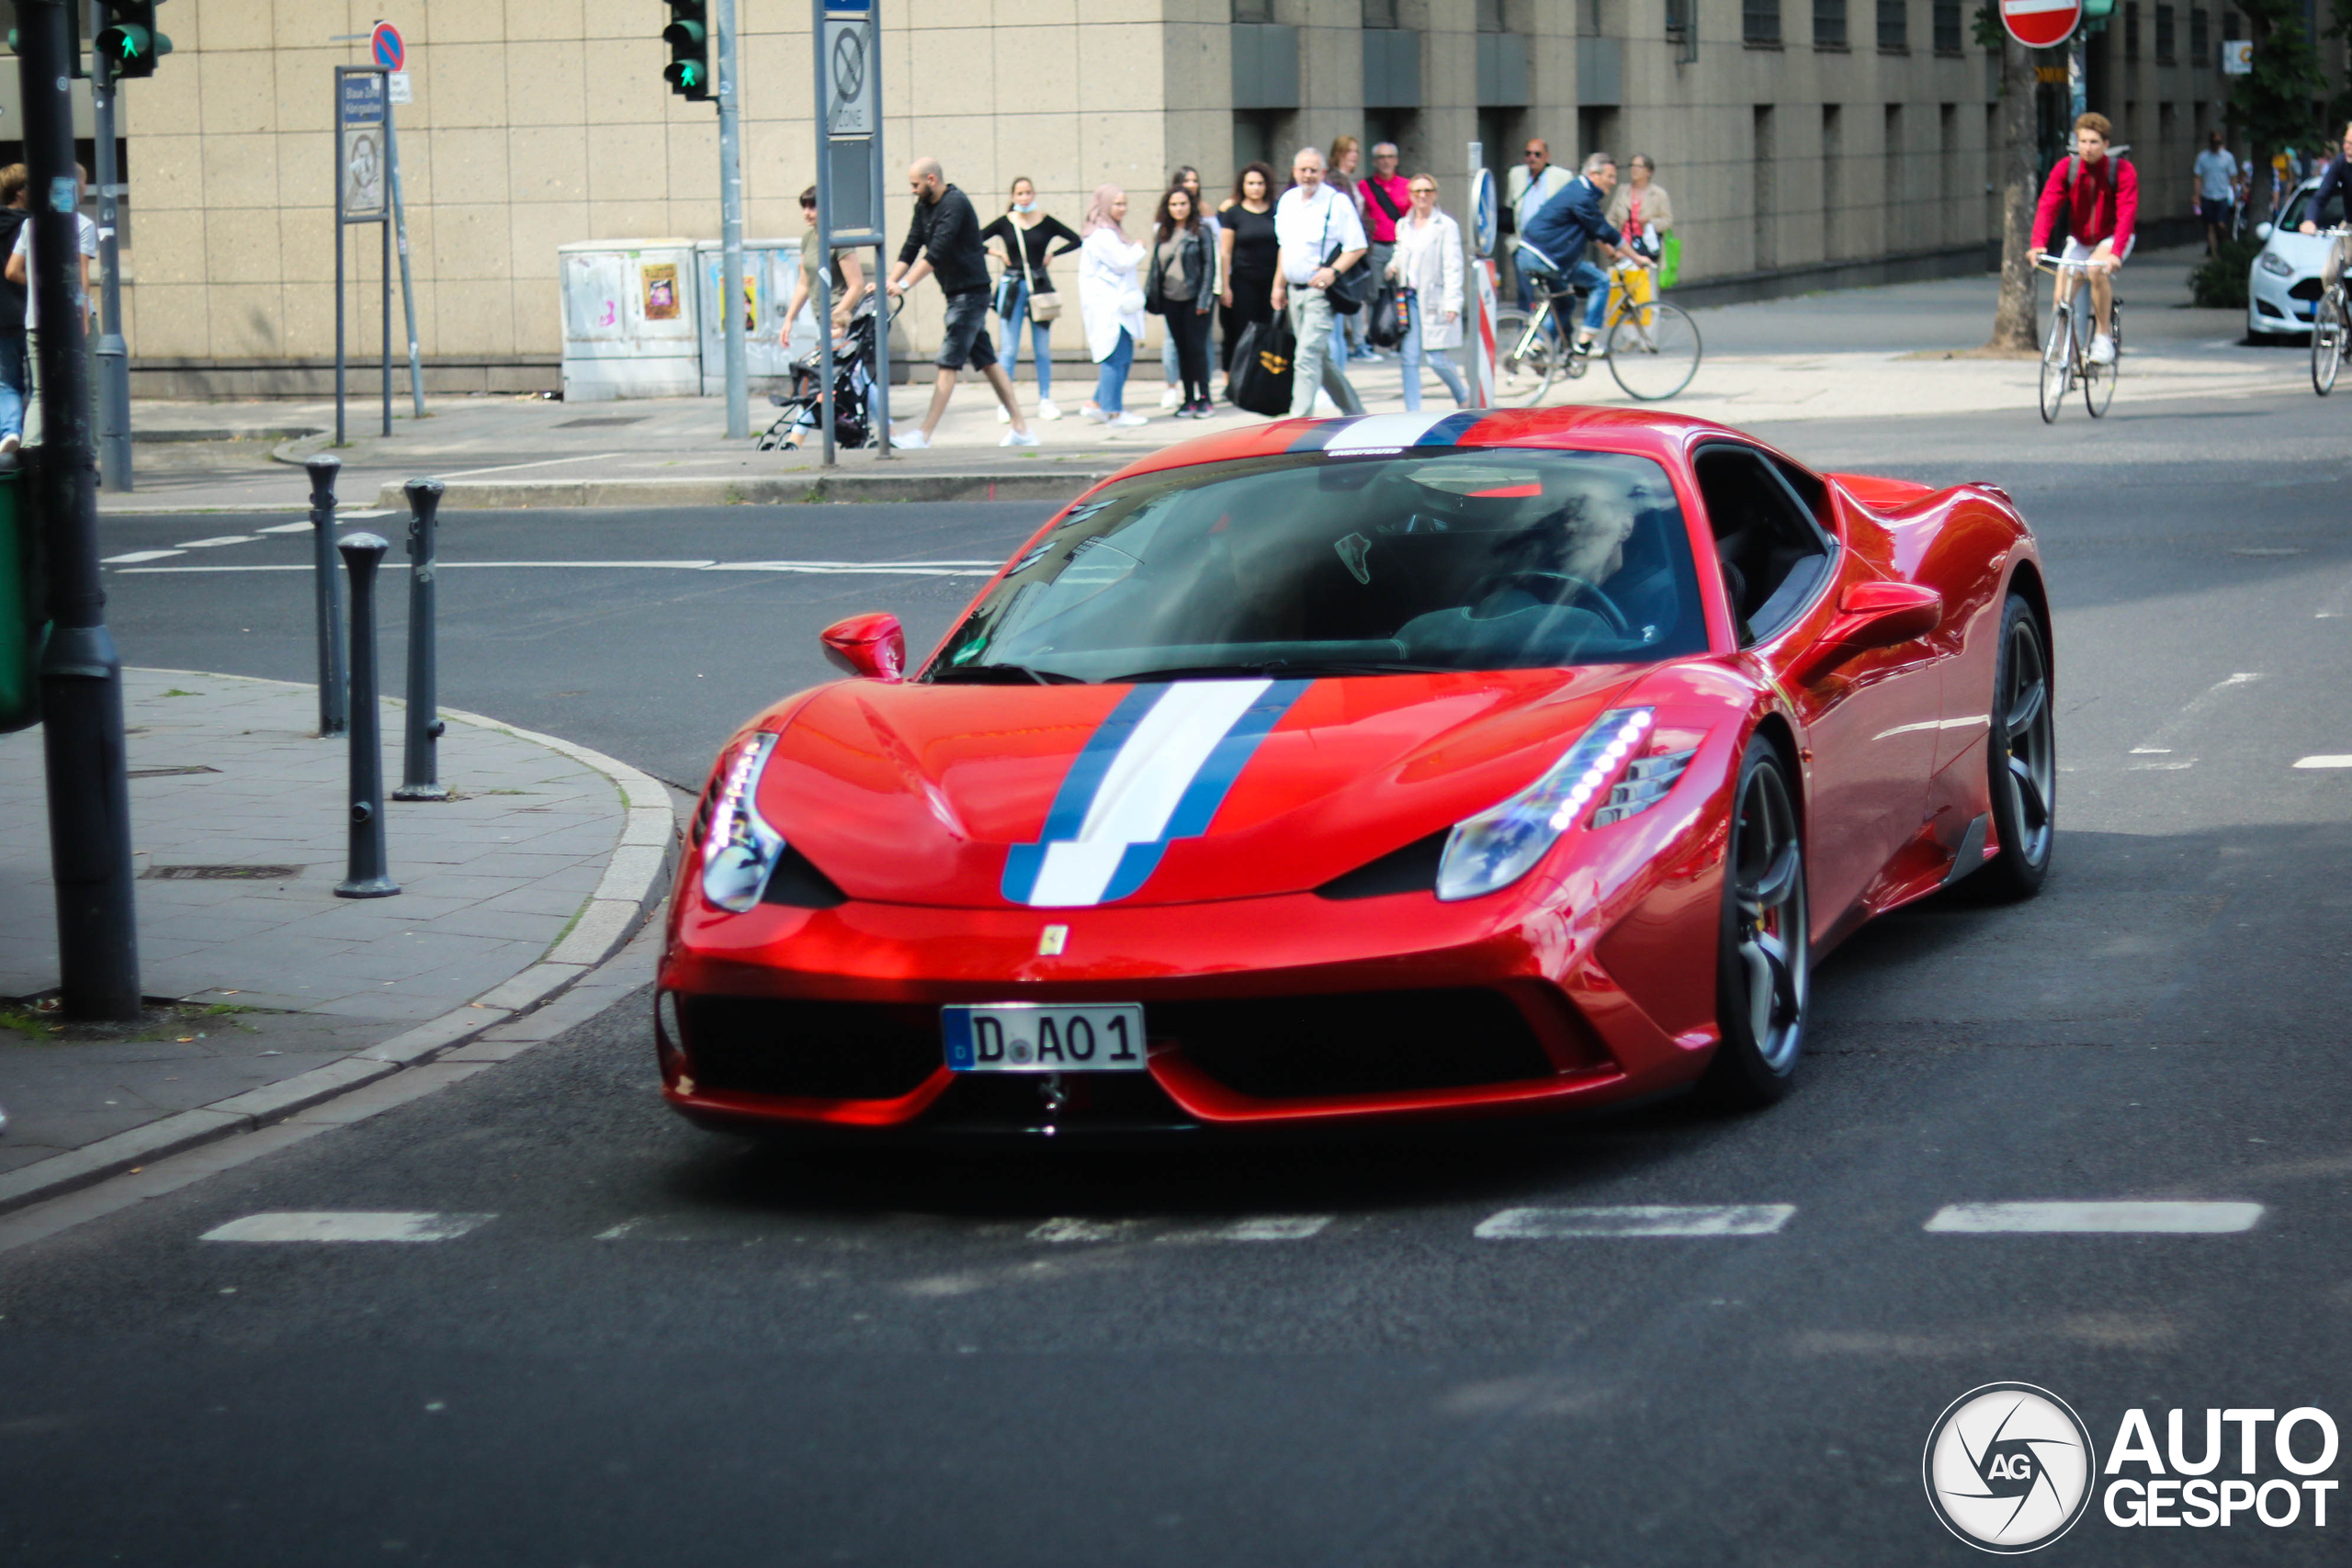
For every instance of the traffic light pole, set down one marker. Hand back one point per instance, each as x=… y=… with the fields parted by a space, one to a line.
x=81 y=676
x=731 y=222
x=113 y=353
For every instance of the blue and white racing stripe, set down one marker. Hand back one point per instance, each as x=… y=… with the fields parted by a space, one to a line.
x=1387 y=431
x=1155 y=772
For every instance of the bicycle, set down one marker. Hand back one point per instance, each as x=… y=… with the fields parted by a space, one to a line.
x=2065 y=353
x=2330 y=320
x=1652 y=347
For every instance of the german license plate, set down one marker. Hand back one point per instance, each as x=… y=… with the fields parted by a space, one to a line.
x=1035 y=1037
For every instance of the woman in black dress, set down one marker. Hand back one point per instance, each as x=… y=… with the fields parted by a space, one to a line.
x=1251 y=254
x=1024 y=240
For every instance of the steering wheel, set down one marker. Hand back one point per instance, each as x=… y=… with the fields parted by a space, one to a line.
x=1546 y=587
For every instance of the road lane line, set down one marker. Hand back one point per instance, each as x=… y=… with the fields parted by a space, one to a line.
x=1069 y=1228
x=1638 y=1218
x=347 y=1227
x=143 y=555
x=2096 y=1218
x=2324 y=761
x=219 y=539
x=2160 y=743
x=1263 y=1227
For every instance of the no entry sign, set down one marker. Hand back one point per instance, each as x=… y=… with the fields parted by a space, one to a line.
x=2042 y=24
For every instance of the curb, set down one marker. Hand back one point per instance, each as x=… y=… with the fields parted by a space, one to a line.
x=759 y=490
x=635 y=882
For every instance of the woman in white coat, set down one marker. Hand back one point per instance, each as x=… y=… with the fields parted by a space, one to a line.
x=1110 y=299
x=1428 y=270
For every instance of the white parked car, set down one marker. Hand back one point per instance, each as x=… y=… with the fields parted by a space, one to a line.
x=2282 y=288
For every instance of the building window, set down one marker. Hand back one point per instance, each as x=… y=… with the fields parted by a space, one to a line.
x=2131 y=29
x=1678 y=20
x=1947 y=20
x=1833 y=179
x=1894 y=27
x=2166 y=35
x=1253 y=10
x=1828 y=24
x=1490 y=15
x=2200 y=36
x=1759 y=23
x=1766 y=206
x=1379 y=13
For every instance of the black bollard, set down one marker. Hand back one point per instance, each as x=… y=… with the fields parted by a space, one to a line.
x=420 y=763
x=328 y=592
x=367 y=876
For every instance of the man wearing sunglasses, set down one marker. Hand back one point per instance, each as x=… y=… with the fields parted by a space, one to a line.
x=1536 y=181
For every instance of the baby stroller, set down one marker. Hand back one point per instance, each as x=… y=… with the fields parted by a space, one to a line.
x=853 y=390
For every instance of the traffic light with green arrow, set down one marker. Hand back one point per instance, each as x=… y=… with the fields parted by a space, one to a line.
x=688 y=35
x=129 y=43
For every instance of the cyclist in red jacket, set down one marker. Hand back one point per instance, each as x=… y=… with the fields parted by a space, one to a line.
x=2099 y=197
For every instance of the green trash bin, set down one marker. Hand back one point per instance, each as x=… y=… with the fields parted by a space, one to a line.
x=24 y=626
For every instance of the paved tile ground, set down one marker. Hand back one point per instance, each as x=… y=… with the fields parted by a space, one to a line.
x=489 y=881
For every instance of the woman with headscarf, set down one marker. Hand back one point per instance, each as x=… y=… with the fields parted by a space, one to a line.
x=1110 y=299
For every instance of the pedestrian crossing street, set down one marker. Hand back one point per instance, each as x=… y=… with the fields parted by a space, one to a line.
x=1605 y=1223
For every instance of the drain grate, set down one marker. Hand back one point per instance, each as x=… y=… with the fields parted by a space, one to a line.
x=219 y=873
x=600 y=421
x=169 y=772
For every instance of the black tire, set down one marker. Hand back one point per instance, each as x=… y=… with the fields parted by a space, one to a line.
x=2057 y=366
x=2098 y=381
x=2022 y=761
x=1653 y=351
x=2327 y=343
x=1523 y=379
x=1765 y=950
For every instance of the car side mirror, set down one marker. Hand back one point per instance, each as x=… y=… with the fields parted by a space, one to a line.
x=1874 y=614
x=872 y=646
x=2262 y=232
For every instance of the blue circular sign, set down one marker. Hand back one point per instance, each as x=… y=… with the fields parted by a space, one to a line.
x=1486 y=216
x=390 y=53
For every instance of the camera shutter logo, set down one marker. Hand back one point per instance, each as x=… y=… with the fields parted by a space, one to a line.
x=2009 y=1467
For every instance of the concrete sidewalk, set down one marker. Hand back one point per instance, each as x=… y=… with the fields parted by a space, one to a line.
x=268 y=993
x=1896 y=352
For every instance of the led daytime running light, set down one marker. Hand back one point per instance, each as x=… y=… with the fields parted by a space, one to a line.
x=1497 y=847
x=740 y=849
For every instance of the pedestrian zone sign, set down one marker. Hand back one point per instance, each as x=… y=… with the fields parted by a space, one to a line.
x=2042 y=24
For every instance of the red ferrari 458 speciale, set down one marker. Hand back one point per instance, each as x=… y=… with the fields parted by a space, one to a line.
x=1375 y=769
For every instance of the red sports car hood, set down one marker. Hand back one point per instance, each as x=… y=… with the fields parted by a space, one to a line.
x=1068 y=796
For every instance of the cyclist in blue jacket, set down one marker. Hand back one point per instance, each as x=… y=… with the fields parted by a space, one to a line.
x=1551 y=247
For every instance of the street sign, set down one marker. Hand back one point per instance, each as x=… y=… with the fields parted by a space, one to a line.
x=360 y=184
x=2042 y=24
x=396 y=84
x=849 y=77
x=1486 y=216
x=385 y=41
x=2237 y=57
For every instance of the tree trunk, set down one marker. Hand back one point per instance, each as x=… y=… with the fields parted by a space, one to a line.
x=2013 y=318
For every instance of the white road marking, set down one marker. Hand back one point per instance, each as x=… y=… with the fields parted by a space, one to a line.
x=2336 y=604
x=219 y=539
x=302 y=527
x=2096 y=1218
x=1638 y=1218
x=542 y=463
x=140 y=556
x=2326 y=761
x=347 y=1227
x=1073 y=1229
x=621 y=1230
x=807 y=568
x=2160 y=743
x=1264 y=1227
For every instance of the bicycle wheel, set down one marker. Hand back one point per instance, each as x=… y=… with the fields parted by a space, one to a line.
x=2057 y=366
x=2098 y=381
x=1524 y=369
x=2328 y=327
x=1652 y=349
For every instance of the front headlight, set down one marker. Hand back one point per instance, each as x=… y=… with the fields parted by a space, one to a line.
x=2276 y=265
x=739 y=849
x=1497 y=847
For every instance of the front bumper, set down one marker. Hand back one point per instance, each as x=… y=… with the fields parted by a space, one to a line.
x=2273 y=306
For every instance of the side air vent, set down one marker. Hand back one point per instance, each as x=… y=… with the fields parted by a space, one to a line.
x=796 y=881
x=1412 y=869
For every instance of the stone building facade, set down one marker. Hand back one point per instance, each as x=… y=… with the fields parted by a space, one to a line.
x=1795 y=136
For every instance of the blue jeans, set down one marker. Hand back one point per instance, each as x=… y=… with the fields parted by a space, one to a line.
x=12 y=384
x=1585 y=275
x=1041 y=336
x=1111 y=386
x=1414 y=354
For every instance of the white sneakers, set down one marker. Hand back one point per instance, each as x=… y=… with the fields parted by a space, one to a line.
x=2102 y=349
x=1171 y=397
x=1003 y=415
x=1046 y=408
x=1020 y=438
x=910 y=439
x=1126 y=421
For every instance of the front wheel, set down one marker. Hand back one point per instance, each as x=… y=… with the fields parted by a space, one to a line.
x=1765 y=950
x=2022 y=757
x=1652 y=349
x=2328 y=327
x=2057 y=366
x=1524 y=368
x=2098 y=381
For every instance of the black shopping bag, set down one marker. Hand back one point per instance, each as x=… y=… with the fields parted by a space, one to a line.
x=1261 y=365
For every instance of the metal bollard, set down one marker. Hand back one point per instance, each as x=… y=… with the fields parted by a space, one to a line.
x=327 y=590
x=367 y=876
x=420 y=763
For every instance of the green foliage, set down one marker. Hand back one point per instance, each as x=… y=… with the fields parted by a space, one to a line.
x=2272 y=103
x=2220 y=283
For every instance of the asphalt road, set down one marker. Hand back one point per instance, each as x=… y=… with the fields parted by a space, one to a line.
x=669 y=1346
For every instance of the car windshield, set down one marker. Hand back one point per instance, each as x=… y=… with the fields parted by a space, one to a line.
x=1305 y=564
x=2299 y=208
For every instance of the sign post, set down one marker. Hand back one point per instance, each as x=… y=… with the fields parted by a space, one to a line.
x=848 y=37
x=362 y=195
x=393 y=55
x=1486 y=228
x=730 y=220
x=113 y=355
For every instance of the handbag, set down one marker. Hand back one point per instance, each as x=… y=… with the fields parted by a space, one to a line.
x=1260 y=382
x=1352 y=291
x=1044 y=307
x=1384 y=328
x=1670 y=264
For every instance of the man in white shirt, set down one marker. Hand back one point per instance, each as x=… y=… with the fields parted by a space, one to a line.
x=1321 y=236
x=18 y=271
x=2217 y=175
x=1536 y=181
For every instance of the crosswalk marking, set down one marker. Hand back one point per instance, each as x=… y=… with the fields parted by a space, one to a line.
x=2096 y=1218
x=1264 y=1227
x=347 y=1227
x=136 y=555
x=2338 y=761
x=1638 y=1218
